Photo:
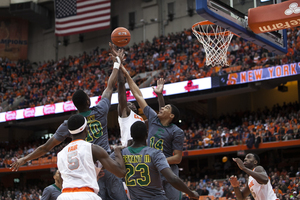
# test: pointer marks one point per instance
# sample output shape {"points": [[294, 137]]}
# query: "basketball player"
{"points": [[111, 187], [127, 112], [76, 163], [144, 165], [258, 183], [53, 191], [163, 134]]}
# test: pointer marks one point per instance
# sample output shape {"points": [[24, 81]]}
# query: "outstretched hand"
{"points": [[18, 163], [239, 162], [234, 182], [195, 195], [120, 54], [114, 53], [160, 86], [113, 49]]}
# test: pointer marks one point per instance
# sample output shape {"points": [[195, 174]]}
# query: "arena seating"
{"points": [[176, 57]]}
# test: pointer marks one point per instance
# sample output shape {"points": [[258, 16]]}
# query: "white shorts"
{"points": [[78, 196]]}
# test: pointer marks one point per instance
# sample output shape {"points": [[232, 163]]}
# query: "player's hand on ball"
{"points": [[18, 163], [234, 182]]}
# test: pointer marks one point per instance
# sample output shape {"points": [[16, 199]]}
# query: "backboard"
{"points": [[221, 13]]}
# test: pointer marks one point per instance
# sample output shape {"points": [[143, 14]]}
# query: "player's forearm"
{"points": [[178, 184], [161, 100], [121, 93], [175, 159], [113, 78], [110, 84], [120, 161], [40, 151], [238, 193], [133, 87], [260, 177]]}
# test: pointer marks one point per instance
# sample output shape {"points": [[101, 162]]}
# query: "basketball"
{"points": [[224, 159], [120, 37]]}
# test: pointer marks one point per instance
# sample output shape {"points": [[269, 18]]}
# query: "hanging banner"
{"points": [[13, 38]]}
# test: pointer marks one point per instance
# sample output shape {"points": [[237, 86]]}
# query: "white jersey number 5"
{"points": [[73, 160]]}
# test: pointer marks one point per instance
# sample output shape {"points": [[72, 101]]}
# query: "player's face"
{"points": [[165, 112], [249, 161], [57, 176]]}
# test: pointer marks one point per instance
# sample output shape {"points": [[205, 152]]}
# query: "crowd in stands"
{"points": [[280, 123], [179, 57], [277, 123], [17, 149], [285, 183], [30, 193]]}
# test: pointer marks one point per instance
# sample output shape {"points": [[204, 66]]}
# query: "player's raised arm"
{"points": [[117, 166], [118, 57], [177, 183], [123, 109], [159, 92], [134, 89]]}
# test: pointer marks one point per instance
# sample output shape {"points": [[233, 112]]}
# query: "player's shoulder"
{"points": [[152, 151], [176, 128], [49, 187], [259, 169]]}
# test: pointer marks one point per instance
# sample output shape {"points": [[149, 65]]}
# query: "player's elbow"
{"points": [[265, 180], [121, 173], [178, 159]]}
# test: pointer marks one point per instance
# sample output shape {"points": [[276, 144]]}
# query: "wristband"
{"points": [[118, 63]]}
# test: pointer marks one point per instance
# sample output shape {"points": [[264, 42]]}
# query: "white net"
{"points": [[215, 41]]}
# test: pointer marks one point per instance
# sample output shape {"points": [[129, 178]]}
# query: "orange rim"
{"points": [[225, 33]]}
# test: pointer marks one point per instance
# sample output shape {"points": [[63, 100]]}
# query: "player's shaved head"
{"points": [[138, 131], [80, 100]]}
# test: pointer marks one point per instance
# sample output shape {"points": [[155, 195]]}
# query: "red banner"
{"points": [[13, 38]]}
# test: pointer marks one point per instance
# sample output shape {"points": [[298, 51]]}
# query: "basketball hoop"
{"points": [[215, 41]]}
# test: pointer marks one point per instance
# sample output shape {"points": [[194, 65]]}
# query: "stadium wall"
{"points": [[42, 42], [4, 3]]}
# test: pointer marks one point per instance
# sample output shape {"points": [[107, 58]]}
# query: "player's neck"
{"points": [[58, 184], [138, 144], [84, 110], [79, 137], [165, 122]]}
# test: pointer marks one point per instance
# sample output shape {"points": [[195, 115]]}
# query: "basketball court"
{"points": [[263, 22]]}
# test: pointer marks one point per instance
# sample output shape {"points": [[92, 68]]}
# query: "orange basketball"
{"points": [[224, 159], [120, 36]]}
